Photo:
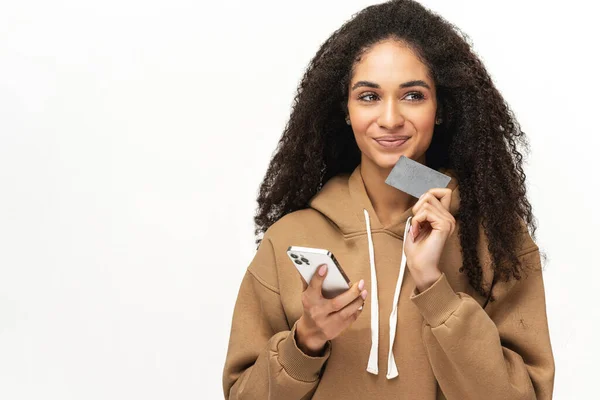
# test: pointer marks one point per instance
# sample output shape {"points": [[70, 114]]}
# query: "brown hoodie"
{"points": [[445, 345]]}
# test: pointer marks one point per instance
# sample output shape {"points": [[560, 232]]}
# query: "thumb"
{"points": [[316, 282]]}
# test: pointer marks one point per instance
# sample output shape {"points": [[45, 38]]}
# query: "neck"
{"points": [[388, 202]]}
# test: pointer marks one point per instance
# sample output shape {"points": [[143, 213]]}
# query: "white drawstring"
{"points": [[392, 370], [372, 366]]}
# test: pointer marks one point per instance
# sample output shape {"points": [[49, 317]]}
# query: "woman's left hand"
{"points": [[431, 225]]}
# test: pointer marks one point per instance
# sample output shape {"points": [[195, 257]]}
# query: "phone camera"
{"points": [[298, 262], [304, 259], [293, 255]]}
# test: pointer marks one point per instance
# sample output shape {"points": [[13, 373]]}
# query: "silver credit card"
{"points": [[415, 178]]}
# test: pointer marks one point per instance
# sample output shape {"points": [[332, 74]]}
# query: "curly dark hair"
{"points": [[478, 138]]}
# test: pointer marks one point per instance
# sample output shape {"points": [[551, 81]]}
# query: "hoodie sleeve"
{"points": [[504, 355], [263, 359]]}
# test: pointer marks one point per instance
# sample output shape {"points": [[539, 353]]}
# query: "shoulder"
{"points": [[297, 223], [524, 242], [292, 228]]}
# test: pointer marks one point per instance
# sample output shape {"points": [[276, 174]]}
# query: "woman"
{"points": [[467, 315]]}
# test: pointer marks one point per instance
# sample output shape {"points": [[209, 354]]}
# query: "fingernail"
{"points": [[364, 294], [322, 269], [361, 284], [360, 308]]}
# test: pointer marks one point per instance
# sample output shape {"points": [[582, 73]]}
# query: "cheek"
{"points": [[363, 118], [361, 125], [359, 129], [422, 118]]}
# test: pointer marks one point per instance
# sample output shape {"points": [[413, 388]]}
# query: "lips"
{"points": [[392, 138], [392, 141]]}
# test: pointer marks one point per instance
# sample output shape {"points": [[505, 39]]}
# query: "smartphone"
{"points": [[307, 259]]}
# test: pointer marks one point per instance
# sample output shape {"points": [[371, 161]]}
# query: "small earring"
{"points": [[438, 121], [347, 120]]}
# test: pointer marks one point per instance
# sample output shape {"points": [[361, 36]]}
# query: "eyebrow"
{"points": [[402, 85]]}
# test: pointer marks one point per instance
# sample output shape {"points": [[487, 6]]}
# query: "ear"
{"points": [[345, 111]]}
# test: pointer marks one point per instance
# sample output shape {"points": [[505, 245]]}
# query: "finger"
{"points": [[316, 282], [442, 213], [426, 217], [441, 195], [416, 221], [432, 217], [431, 201], [351, 309], [342, 300]]}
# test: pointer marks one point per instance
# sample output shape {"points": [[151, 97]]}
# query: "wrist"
{"points": [[308, 345], [424, 280]]}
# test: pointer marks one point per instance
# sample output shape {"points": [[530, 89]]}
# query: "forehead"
{"points": [[390, 62]]}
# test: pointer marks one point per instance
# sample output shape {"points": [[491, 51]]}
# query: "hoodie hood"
{"points": [[344, 197], [345, 202]]}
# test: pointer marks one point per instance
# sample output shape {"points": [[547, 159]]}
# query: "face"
{"points": [[391, 105]]}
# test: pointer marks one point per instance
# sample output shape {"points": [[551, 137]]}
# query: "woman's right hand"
{"points": [[324, 319]]}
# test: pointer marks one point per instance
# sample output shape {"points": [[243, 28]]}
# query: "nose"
{"points": [[390, 116]]}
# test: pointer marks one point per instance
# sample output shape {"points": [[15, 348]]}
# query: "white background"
{"points": [[134, 136]]}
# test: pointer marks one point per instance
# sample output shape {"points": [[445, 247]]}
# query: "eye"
{"points": [[367, 95], [419, 96], [412, 97]]}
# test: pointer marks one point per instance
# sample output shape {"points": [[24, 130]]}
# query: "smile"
{"points": [[391, 143]]}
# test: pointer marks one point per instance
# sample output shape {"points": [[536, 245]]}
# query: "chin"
{"points": [[392, 157], [387, 161]]}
